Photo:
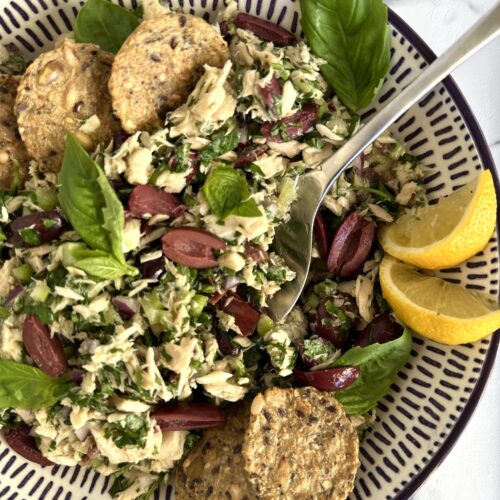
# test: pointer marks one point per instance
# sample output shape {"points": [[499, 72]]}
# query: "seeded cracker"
{"points": [[214, 468], [13, 156], [60, 90], [300, 444], [159, 65]]}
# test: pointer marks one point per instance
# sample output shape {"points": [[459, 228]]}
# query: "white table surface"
{"points": [[472, 469]]}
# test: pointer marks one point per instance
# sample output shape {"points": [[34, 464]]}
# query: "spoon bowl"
{"points": [[293, 239]]}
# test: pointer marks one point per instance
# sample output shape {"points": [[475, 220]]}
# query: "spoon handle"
{"points": [[485, 30]]}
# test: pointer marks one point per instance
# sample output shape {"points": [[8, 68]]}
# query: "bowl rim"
{"points": [[487, 160]]}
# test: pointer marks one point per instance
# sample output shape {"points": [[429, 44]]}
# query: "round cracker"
{"points": [[59, 91], [300, 444], [13, 155], [159, 65], [214, 467]]}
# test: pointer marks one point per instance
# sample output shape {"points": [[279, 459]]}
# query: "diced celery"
{"points": [[46, 198], [23, 273], [198, 304], [41, 292], [397, 151], [265, 325]]}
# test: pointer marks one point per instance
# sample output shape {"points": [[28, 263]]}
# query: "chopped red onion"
{"points": [[13, 295], [82, 433], [231, 282], [125, 305]]}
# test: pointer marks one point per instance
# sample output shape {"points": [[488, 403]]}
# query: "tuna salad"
{"points": [[137, 245]]}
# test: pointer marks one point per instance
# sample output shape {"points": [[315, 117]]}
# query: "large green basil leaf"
{"points": [[353, 37], [226, 192], [379, 365], [97, 263], [86, 196], [105, 24], [25, 386]]}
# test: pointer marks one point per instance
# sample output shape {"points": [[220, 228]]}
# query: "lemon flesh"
{"points": [[447, 233], [436, 309]]}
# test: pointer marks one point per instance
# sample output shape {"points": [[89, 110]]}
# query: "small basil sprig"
{"points": [[25, 386], [95, 212], [105, 24], [226, 192], [353, 37], [379, 365]]}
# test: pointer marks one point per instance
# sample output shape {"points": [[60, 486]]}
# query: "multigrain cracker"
{"points": [[159, 65], [13, 155], [300, 444], [214, 468], [60, 91]]}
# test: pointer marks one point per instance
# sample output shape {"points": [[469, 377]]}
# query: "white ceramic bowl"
{"points": [[429, 405]]}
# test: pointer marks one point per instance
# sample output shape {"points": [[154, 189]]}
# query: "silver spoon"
{"points": [[293, 239]]}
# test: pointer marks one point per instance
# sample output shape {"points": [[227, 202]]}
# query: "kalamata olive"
{"points": [[37, 228], [20, 440], [321, 235], [294, 126], [265, 30], [148, 200], [332, 379], [215, 298], [45, 351], [269, 91], [382, 329], [127, 306], [245, 316], [77, 375], [249, 154], [332, 323], [309, 360], [192, 247], [225, 345], [152, 269], [255, 253], [351, 245], [187, 415], [224, 30]]}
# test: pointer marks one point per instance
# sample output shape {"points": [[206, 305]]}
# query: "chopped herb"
{"points": [[132, 430], [48, 223], [121, 483], [42, 311], [338, 313], [318, 350], [30, 236], [381, 193], [220, 145]]}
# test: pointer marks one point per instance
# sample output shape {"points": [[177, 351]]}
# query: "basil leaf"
{"points": [[248, 208], [100, 264], [221, 144], [226, 192], [25, 386], [90, 203], [379, 365], [353, 37], [105, 24]]}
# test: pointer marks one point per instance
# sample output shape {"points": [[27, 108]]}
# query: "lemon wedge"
{"points": [[439, 310], [447, 233]]}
